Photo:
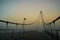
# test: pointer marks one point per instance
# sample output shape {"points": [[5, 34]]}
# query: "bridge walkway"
{"points": [[35, 36]]}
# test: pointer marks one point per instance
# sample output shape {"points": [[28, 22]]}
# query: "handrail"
{"points": [[54, 20], [18, 23]]}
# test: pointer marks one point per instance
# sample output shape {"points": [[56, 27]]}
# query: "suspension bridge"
{"points": [[17, 34]]}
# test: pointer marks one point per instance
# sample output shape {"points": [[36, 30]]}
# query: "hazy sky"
{"points": [[16, 10]]}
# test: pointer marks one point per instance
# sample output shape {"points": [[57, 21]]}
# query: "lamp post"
{"points": [[23, 24]]}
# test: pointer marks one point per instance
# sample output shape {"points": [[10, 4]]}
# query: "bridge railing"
{"points": [[7, 33], [54, 29]]}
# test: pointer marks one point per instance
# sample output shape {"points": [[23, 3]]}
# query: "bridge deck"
{"points": [[27, 36], [35, 36]]}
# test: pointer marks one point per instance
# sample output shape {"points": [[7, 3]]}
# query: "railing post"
{"points": [[51, 31], [6, 30], [17, 31], [56, 32], [12, 35], [54, 26], [46, 29], [19, 34], [57, 35], [23, 29]]}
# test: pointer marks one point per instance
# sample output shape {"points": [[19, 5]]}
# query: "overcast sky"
{"points": [[16, 10]]}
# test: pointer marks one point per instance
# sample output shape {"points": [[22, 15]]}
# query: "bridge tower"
{"points": [[43, 22]]}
